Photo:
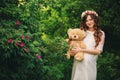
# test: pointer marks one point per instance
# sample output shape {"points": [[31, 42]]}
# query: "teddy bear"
{"points": [[76, 37]]}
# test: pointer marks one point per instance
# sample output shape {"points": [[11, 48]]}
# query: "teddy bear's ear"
{"points": [[69, 30]]}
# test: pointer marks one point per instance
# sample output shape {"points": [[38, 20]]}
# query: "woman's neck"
{"points": [[91, 29]]}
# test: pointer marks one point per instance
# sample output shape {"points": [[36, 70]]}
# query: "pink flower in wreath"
{"points": [[22, 44], [10, 40]]}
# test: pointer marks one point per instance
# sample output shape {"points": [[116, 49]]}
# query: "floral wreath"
{"points": [[88, 12]]}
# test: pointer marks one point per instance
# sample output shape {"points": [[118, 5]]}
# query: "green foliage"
{"points": [[32, 29], [55, 59], [20, 42], [108, 68]]}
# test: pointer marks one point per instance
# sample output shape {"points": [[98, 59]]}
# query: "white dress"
{"points": [[86, 69]]}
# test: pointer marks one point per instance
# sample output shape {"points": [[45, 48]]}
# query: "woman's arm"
{"points": [[91, 51]]}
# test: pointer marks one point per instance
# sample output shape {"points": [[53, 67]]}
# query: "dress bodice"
{"points": [[89, 40]]}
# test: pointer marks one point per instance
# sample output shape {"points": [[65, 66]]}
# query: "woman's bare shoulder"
{"points": [[103, 33]]}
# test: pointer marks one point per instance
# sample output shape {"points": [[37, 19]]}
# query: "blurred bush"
{"points": [[32, 38]]}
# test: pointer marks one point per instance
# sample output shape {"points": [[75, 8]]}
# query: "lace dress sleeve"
{"points": [[101, 44]]}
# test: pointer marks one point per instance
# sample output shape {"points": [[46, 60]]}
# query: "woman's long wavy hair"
{"points": [[98, 33]]}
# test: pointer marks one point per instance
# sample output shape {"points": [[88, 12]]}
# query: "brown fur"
{"points": [[76, 35]]}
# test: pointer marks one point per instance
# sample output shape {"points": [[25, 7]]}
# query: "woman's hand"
{"points": [[75, 50]]}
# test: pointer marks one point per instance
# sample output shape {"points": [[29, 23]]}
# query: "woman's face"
{"points": [[89, 22]]}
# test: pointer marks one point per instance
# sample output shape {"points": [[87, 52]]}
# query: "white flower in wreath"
{"points": [[88, 12]]}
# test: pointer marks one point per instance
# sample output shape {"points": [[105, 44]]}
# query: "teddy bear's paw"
{"points": [[78, 58]]}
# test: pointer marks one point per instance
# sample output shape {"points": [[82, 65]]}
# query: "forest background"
{"points": [[33, 33]]}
